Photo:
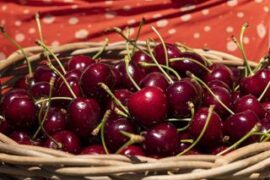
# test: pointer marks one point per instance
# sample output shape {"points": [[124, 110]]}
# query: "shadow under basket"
{"points": [[33, 162]]}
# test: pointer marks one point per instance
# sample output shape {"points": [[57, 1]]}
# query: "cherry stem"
{"points": [[50, 65], [102, 49], [209, 90], [192, 60], [263, 62], [53, 55], [156, 62], [163, 44], [192, 110], [39, 27], [120, 113], [103, 122], [127, 60], [52, 98], [99, 126], [142, 22], [187, 141], [210, 112], [133, 138], [145, 64], [266, 135], [12, 41], [246, 136], [175, 119], [264, 91]]}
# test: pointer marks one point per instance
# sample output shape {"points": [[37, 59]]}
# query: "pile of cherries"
{"points": [[165, 102]]}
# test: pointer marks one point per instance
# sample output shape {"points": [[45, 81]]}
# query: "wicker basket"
{"points": [[32, 162]]}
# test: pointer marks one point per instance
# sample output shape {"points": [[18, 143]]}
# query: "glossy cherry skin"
{"points": [[43, 73], [21, 137], [122, 95], [239, 124], [67, 141], [148, 106], [155, 79], [179, 94], [139, 57], [70, 75], [112, 132], [265, 122], [79, 62], [93, 150], [220, 72], [218, 83], [135, 71], [40, 89], [223, 95], [133, 151], [172, 52], [63, 91], [187, 65], [84, 115], [184, 135], [162, 140], [249, 102], [235, 96], [214, 131], [55, 121], [266, 106], [22, 83], [92, 76]]}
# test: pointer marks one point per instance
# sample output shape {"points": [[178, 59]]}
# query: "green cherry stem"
{"points": [[106, 42], [192, 111], [235, 145], [192, 76], [156, 62], [192, 60], [39, 27], [120, 113], [133, 138], [264, 91], [102, 127], [52, 98], [266, 135], [127, 60], [142, 22], [187, 141], [105, 117], [210, 112]]}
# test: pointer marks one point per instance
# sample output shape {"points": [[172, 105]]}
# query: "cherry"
{"points": [[133, 150], [63, 90], [40, 89], [218, 83], [155, 79], [21, 137], [5, 126], [92, 76], [93, 150], [122, 95], [43, 73], [220, 72], [84, 115], [266, 106], [219, 149], [184, 135], [162, 140], [139, 57], [235, 96], [239, 124], [79, 62], [113, 137], [179, 94], [148, 106], [22, 83], [214, 130], [249, 102], [70, 75], [265, 122], [172, 52], [66, 141]]}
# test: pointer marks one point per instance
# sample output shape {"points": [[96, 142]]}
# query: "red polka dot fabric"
{"points": [[196, 23]]}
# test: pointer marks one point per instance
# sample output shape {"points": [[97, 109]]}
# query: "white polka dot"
{"points": [[231, 46], [155, 16], [81, 34], [75, 6], [229, 29], [232, 2], [108, 2], [55, 43], [4, 7], [127, 7], [131, 31], [31, 30], [240, 14], [196, 35], [18, 23], [207, 28], [131, 21], [266, 9], [186, 17], [26, 11], [73, 20], [49, 19], [68, 1], [172, 31], [205, 11], [2, 56], [258, 1], [187, 8], [2, 22], [246, 40], [19, 37], [110, 14], [162, 23], [261, 30]]}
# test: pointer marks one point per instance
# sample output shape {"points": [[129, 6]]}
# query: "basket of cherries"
{"points": [[133, 110]]}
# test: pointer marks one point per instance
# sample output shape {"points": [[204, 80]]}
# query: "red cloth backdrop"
{"points": [[197, 23]]}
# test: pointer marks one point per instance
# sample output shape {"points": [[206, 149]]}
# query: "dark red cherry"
{"points": [[162, 140], [21, 137], [84, 115], [265, 122], [148, 106], [22, 83], [249, 102], [266, 106], [214, 130], [219, 149], [43, 73], [220, 72], [155, 79], [70, 75], [93, 150], [184, 135], [236, 74], [179, 94], [188, 65], [139, 56], [218, 83], [223, 95], [172, 52], [117, 78], [239, 124], [5, 126], [235, 96], [92, 76], [55, 121], [63, 91], [79, 62], [66, 141], [122, 95], [133, 151], [112, 132], [40, 89]]}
